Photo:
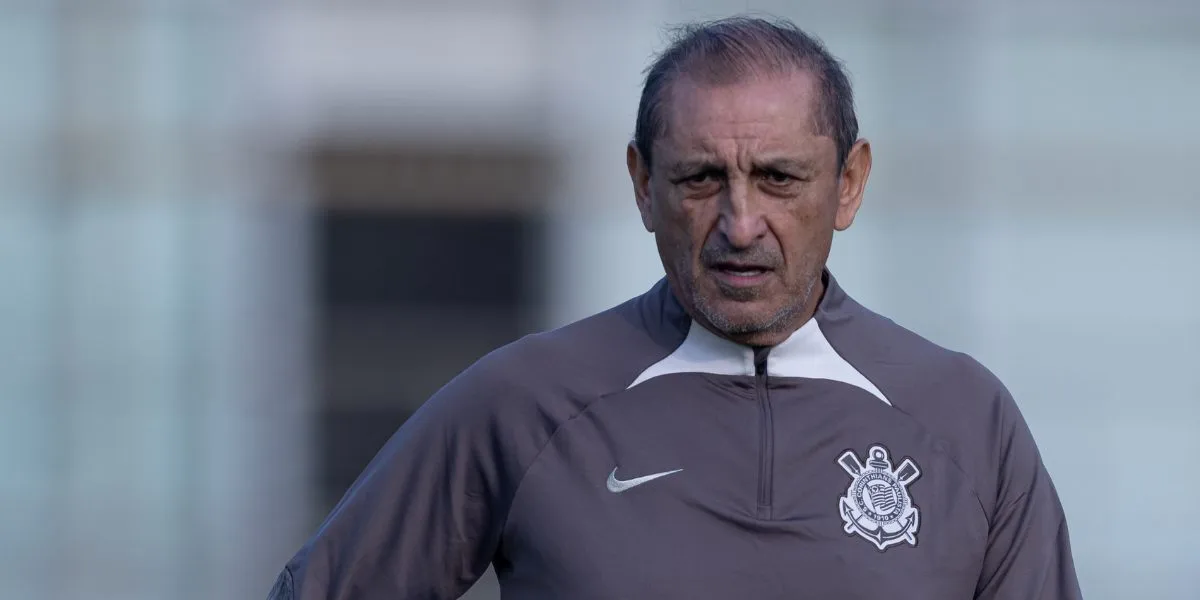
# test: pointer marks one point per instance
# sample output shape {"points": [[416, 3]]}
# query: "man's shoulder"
{"points": [[932, 358], [918, 375], [592, 356]]}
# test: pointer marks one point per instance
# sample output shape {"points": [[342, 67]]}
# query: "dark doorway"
{"points": [[428, 259]]}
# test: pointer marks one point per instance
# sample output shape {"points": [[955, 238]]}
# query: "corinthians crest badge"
{"points": [[877, 505]]}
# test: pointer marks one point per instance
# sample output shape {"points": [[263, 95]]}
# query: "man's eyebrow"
{"points": [[697, 165], [786, 164]]}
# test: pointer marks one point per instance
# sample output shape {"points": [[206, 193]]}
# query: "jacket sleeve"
{"points": [[1029, 551], [424, 518]]}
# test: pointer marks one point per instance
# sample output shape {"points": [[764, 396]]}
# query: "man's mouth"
{"points": [[740, 273], [744, 272]]}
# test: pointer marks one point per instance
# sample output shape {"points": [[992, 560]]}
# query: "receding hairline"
{"points": [[734, 49], [812, 95]]}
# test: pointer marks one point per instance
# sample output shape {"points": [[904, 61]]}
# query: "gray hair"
{"points": [[731, 49]]}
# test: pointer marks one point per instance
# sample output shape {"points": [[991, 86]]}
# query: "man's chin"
{"points": [[739, 318]]}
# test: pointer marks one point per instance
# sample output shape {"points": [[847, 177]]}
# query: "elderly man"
{"points": [[744, 429]]}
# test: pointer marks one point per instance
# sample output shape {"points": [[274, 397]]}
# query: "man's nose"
{"points": [[742, 219]]}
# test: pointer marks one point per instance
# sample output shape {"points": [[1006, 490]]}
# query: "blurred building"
{"points": [[241, 242]]}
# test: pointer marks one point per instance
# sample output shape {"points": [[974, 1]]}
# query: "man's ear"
{"points": [[851, 183], [639, 173]]}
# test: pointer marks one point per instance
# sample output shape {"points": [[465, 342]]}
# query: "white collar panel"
{"points": [[807, 353]]}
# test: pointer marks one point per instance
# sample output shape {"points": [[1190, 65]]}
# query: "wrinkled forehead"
{"points": [[776, 113]]}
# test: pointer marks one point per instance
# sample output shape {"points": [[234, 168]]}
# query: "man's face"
{"points": [[743, 198]]}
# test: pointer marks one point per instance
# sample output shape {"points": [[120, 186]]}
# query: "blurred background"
{"points": [[240, 241]]}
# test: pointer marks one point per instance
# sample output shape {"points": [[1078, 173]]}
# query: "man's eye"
{"points": [[778, 178], [700, 182]]}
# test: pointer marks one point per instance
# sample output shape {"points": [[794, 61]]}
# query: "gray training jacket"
{"points": [[636, 455]]}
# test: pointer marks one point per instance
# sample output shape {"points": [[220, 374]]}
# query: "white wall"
{"points": [[152, 312]]}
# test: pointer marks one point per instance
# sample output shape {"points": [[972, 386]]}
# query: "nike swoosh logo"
{"points": [[617, 486]]}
